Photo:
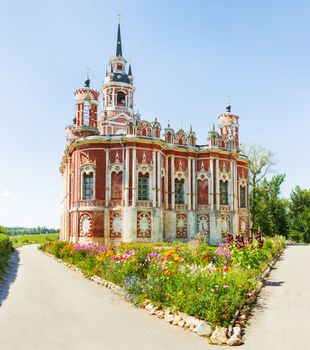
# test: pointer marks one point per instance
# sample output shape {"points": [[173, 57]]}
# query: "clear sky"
{"points": [[187, 56]]}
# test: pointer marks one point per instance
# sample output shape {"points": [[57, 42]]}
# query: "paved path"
{"points": [[282, 319], [47, 306]]}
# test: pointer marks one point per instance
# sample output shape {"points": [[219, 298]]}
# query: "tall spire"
{"points": [[119, 52], [129, 70]]}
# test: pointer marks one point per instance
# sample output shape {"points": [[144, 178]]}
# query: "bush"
{"points": [[5, 251]]}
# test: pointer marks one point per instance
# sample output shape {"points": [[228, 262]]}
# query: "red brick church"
{"points": [[127, 179]]}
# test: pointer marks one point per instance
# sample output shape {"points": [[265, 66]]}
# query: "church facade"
{"points": [[127, 179]]}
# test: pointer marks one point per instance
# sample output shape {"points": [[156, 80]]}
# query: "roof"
{"points": [[121, 77]]}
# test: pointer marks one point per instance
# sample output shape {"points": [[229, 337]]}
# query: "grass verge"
{"points": [[20, 240]]}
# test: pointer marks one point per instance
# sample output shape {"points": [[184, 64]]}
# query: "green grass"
{"points": [[20, 240]]}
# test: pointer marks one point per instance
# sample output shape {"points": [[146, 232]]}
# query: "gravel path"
{"points": [[47, 306]]}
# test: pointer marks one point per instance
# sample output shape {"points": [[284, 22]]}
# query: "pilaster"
{"points": [[134, 177], [189, 184], [154, 179], [172, 184], [126, 192], [217, 171]]}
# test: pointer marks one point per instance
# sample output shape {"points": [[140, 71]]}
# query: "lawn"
{"points": [[207, 282], [20, 240]]}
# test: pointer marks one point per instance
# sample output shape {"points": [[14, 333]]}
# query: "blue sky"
{"points": [[187, 56]]}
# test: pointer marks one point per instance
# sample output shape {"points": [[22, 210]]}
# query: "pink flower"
{"points": [[225, 286]]}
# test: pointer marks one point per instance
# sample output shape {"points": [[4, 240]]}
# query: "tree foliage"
{"points": [[271, 209], [261, 162], [3, 230], [299, 215], [13, 231]]}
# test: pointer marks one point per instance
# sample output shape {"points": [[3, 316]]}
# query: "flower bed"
{"points": [[209, 283], [5, 251]]}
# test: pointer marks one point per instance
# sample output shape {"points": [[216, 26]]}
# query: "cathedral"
{"points": [[128, 179]]}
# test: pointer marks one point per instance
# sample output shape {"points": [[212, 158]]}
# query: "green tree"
{"points": [[3, 230], [271, 210], [261, 162], [299, 214]]}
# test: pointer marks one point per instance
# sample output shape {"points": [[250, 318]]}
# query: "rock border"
{"points": [[231, 336]]}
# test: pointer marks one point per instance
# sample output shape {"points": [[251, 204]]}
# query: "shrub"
{"points": [[5, 251]]}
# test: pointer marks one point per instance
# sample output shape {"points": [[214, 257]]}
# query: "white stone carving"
{"points": [[85, 225], [115, 167]]}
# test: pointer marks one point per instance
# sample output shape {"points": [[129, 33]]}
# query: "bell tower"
{"points": [[117, 93], [229, 129]]}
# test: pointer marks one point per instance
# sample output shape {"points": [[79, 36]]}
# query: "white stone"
{"points": [[234, 340], [149, 307], [176, 320], [181, 323], [169, 318], [236, 330], [153, 311], [219, 336], [204, 330]]}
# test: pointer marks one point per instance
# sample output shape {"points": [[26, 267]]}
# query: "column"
{"points": [[166, 184], [154, 179], [211, 185], [189, 184], [68, 200], [194, 180], [134, 177], [230, 188], [159, 189], [126, 192], [217, 170], [172, 184], [235, 186], [108, 181], [113, 97]]}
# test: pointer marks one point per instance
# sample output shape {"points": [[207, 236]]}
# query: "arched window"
{"points": [[86, 112], [242, 197], [143, 187], [121, 98], [88, 186], [223, 192], [179, 191], [203, 192], [116, 185]]}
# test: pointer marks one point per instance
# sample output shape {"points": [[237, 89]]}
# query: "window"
{"points": [[121, 98], [242, 197], [116, 185], [223, 192], [86, 113], [179, 191], [88, 186], [143, 187]]}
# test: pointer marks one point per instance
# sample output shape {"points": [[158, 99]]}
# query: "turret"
{"points": [[86, 110], [117, 93], [229, 129]]}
